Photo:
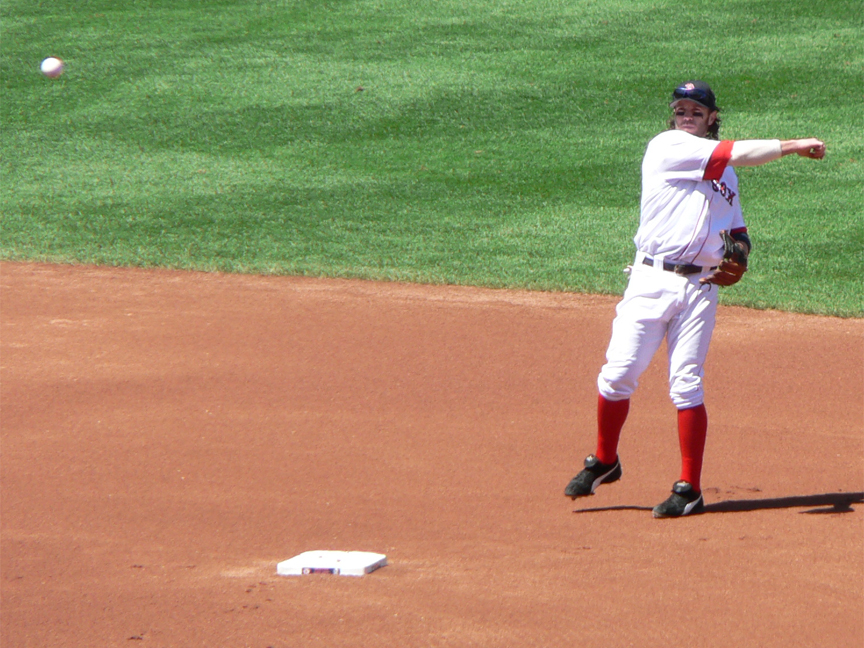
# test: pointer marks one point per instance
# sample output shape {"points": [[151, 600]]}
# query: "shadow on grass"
{"points": [[817, 504]]}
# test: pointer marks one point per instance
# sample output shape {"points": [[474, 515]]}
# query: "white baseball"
{"points": [[52, 67]]}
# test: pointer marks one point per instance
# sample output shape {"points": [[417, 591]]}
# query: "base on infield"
{"points": [[341, 563]]}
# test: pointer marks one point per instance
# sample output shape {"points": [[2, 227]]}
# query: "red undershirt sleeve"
{"points": [[718, 161]]}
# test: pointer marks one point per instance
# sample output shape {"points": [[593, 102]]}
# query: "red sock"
{"points": [[610, 419], [692, 430]]}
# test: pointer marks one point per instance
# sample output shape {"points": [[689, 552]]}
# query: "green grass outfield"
{"points": [[488, 143]]}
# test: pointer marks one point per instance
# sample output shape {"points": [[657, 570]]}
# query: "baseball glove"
{"points": [[734, 263]]}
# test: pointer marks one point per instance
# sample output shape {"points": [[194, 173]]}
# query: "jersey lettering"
{"points": [[723, 189]]}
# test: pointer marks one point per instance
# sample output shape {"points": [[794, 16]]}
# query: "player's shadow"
{"points": [[827, 503], [816, 504]]}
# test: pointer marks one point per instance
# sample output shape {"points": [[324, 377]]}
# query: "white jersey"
{"points": [[689, 194]]}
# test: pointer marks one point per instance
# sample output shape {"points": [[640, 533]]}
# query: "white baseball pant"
{"points": [[657, 304]]}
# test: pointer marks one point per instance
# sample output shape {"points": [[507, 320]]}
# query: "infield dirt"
{"points": [[169, 437]]}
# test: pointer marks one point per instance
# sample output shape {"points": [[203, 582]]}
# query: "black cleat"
{"points": [[594, 474], [683, 501]]}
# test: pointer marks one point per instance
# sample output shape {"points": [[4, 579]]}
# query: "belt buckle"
{"points": [[681, 269]]}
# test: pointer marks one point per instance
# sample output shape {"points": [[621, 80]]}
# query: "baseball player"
{"points": [[691, 239]]}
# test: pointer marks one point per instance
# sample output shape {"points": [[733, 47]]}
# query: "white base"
{"points": [[341, 563]]}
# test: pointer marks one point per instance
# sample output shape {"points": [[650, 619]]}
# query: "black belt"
{"points": [[678, 268]]}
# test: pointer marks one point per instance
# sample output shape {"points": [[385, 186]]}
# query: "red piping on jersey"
{"points": [[718, 161]]}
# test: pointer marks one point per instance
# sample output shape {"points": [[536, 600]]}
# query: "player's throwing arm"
{"points": [[754, 153]]}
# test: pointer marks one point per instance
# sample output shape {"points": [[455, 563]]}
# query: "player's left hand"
{"points": [[727, 273], [734, 263]]}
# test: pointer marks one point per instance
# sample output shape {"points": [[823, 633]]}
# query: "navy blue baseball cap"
{"points": [[697, 91]]}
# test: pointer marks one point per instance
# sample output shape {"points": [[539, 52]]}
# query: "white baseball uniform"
{"points": [[689, 194]]}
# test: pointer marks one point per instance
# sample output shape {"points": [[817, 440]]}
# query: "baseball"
{"points": [[52, 67]]}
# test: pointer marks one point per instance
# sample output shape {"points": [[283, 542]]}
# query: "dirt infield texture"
{"points": [[168, 437]]}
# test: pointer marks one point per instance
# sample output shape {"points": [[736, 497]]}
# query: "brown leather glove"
{"points": [[734, 263]]}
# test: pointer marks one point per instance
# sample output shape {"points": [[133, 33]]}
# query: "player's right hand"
{"points": [[811, 148]]}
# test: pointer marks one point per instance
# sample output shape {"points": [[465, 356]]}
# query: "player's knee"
{"points": [[616, 388], [687, 392]]}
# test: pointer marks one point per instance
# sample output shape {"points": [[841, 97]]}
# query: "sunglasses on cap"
{"points": [[701, 95]]}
